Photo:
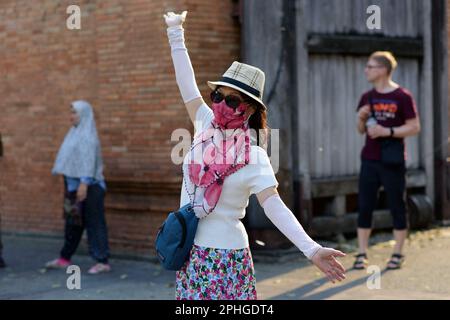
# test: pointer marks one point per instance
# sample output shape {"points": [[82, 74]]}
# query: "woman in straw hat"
{"points": [[221, 171]]}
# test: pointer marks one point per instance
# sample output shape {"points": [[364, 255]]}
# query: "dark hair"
{"points": [[258, 122]]}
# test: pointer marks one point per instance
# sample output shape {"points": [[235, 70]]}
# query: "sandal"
{"points": [[396, 260], [360, 262]]}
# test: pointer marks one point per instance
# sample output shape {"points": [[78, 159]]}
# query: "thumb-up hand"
{"points": [[173, 19]]}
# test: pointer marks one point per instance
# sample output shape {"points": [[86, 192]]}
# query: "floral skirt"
{"points": [[217, 274]]}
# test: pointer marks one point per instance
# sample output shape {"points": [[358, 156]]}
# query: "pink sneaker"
{"points": [[99, 268], [59, 263]]}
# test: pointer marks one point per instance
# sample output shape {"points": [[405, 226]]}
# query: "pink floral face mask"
{"points": [[229, 111]]}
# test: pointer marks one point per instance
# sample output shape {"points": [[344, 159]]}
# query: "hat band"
{"points": [[242, 85]]}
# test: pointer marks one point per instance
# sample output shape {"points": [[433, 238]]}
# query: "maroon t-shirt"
{"points": [[391, 110]]}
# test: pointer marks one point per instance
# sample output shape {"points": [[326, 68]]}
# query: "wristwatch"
{"points": [[392, 132]]}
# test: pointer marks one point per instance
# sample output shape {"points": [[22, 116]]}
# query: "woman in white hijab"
{"points": [[79, 161]]}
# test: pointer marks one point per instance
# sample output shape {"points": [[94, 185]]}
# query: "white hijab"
{"points": [[80, 153]]}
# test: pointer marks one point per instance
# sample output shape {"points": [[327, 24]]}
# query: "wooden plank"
{"points": [[291, 61], [345, 16], [426, 101], [407, 75], [349, 185], [267, 44], [315, 108], [328, 116], [359, 88], [304, 109], [364, 45], [328, 226], [440, 108]]}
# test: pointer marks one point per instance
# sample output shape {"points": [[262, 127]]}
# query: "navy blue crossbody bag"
{"points": [[175, 237]]}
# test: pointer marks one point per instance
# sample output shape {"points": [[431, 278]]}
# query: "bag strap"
{"points": [[371, 104], [185, 187]]}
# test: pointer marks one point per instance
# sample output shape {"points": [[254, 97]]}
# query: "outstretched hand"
{"points": [[173, 19], [325, 260]]}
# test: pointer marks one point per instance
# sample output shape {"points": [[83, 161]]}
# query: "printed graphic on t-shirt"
{"points": [[391, 109], [384, 109]]}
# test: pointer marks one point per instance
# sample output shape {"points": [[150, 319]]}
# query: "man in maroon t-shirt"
{"points": [[388, 111]]}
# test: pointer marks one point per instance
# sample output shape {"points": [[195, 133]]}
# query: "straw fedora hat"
{"points": [[244, 78]]}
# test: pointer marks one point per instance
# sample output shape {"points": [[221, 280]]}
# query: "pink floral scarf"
{"points": [[217, 152]]}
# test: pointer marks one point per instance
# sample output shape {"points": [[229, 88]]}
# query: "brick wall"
{"points": [[120, 62]]}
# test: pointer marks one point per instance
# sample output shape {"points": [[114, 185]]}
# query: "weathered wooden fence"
{"points": [[314, 53]]}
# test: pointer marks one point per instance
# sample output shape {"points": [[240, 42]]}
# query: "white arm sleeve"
{"points": [[287, 223], [183, 68]]}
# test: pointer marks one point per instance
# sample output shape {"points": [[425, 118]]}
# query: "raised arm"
{"points": [[183, 67]]}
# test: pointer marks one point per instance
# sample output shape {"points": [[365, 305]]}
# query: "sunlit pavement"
{"points": [[424, 275]]}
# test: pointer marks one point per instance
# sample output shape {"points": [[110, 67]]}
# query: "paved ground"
{"points": [[425, 275]]}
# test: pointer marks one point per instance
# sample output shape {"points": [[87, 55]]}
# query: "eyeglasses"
{"points": [[231, 100], [372, 67]]}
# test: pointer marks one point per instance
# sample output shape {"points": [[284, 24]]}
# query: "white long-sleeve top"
{"points": [[223, 228]]}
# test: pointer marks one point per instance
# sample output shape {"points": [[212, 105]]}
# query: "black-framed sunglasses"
{"points": [[231, 100]]}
